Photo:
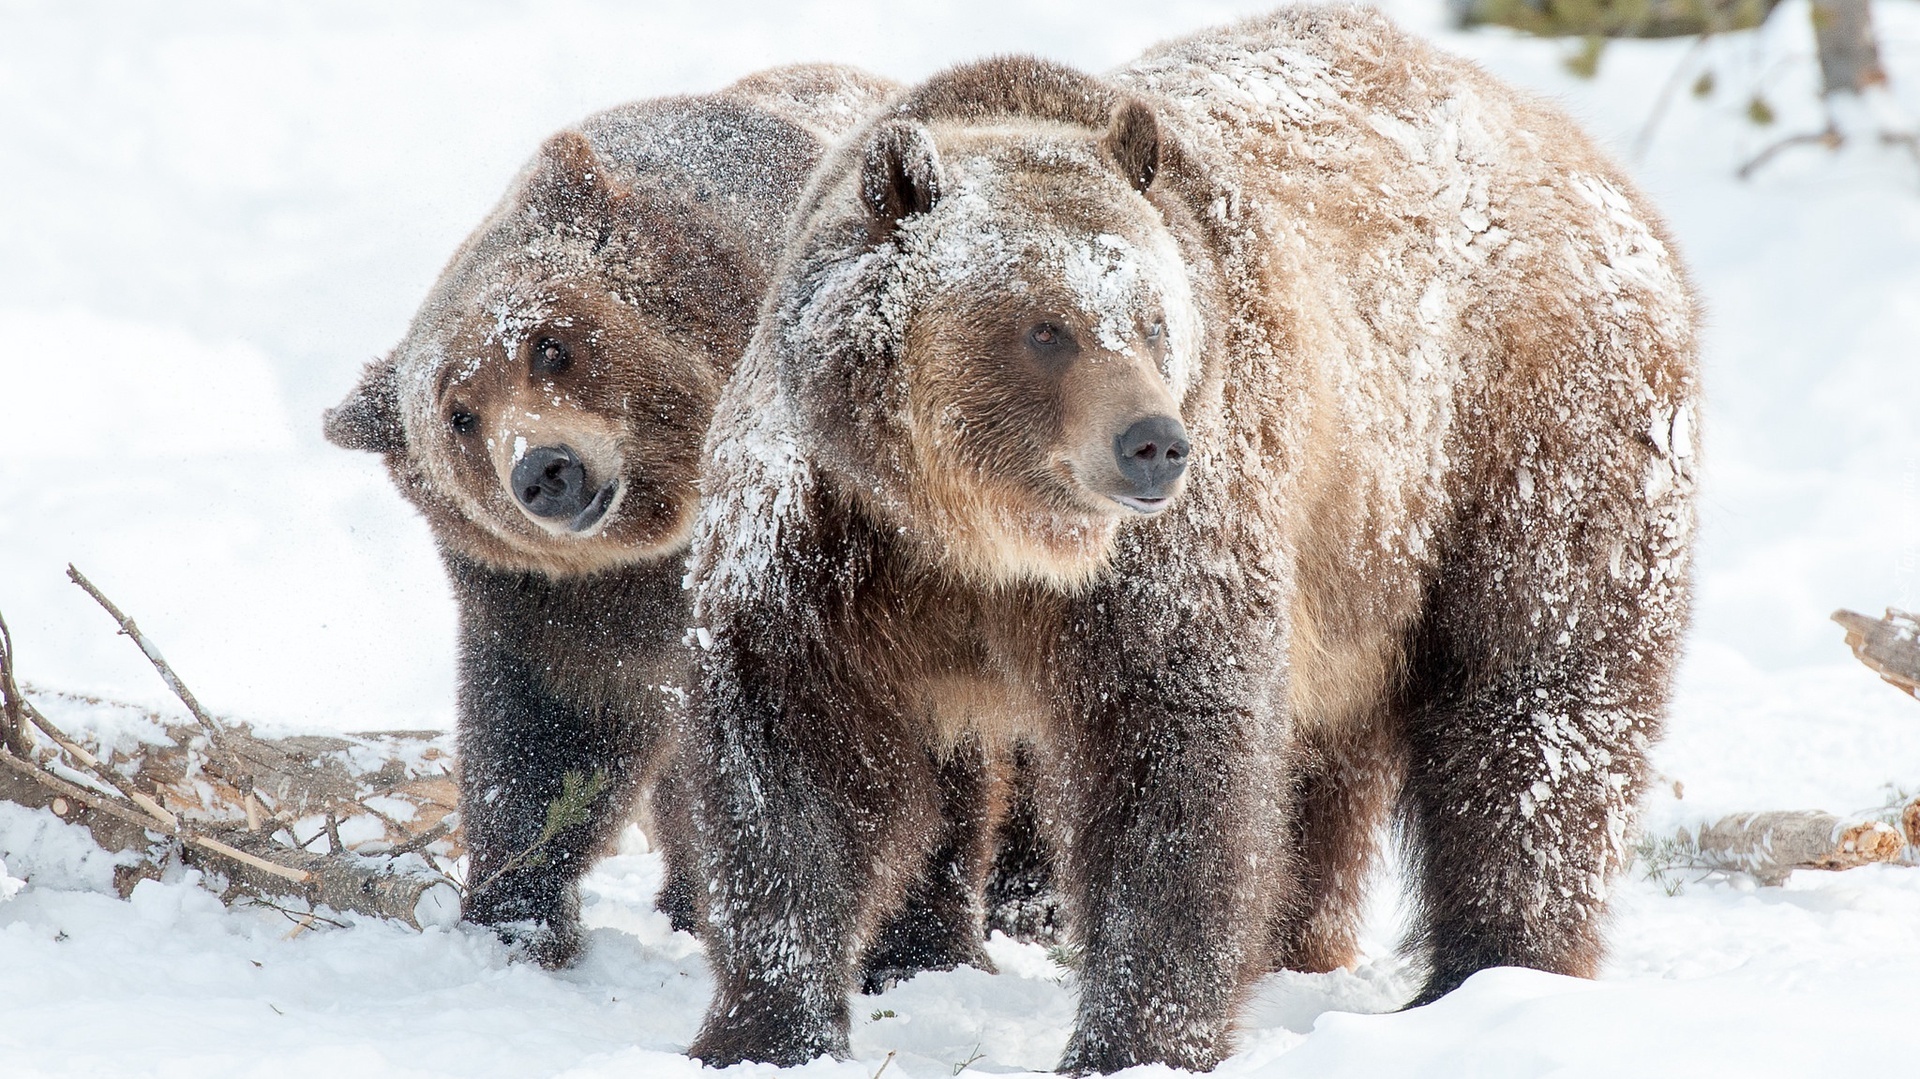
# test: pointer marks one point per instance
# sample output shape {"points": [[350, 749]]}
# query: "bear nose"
{"points": [[1152, 453], [550, 481]]}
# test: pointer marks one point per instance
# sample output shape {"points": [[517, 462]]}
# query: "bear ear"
{"points": [[369, 419], [901, 174], [569, 181], [1133, 140]]}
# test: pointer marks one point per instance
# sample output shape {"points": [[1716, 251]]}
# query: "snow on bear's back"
{"points": [[1409, 218]]}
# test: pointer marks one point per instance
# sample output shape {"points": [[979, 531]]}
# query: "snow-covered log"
{"points": [[1769, 846], [244, 808], [252, 865], [1890, 645]]}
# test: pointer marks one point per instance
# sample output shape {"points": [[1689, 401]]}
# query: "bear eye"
{"points": [[463, 422], [1051, 344], [1049, 337], [550, 356], [1156, 332]]}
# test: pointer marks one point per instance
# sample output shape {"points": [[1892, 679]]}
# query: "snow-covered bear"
{"points": [[1289, 428], [545, 413]]}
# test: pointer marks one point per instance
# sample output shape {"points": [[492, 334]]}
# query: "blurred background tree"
{"points": [[1853, 81]]}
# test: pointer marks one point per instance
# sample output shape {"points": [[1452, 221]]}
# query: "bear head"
{"points": [[989, 332], [546, 407]]}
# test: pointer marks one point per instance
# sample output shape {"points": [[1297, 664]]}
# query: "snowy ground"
{"points": [[212, 213]]}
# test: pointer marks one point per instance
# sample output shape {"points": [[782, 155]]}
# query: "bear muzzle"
{"points": [[1152, 456], [550, 482]]}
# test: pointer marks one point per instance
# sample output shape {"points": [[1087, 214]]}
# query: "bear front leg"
{"points": [[1518, 802], [813, 816], [1171, 864], [1170, 770], [529, 761]]}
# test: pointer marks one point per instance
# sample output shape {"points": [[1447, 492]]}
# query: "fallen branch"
{"points": [[1770, 846], [1890, 646]]}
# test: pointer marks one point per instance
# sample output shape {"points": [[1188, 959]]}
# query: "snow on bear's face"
{"points": [[1046, 335], [540, 413]]}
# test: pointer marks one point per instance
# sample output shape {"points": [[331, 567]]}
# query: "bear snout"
{"points": [[551, 481], [1152, 453]]}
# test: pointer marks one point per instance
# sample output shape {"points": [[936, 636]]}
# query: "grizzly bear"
{"points": [[545, 412], [1290, 428]]}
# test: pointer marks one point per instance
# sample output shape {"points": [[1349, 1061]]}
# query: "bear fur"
{"points": [[592, 317], [1288, 430]]}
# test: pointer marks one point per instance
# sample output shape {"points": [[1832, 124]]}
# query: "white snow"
{"points": [[212, 213]]}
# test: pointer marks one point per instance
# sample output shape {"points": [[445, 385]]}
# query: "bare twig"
{"points": [[962, 1065], [1644, 139], [271, 868], [425, 839], [1830, 138], [882, 1069], [1833, 139], [292, 915], [214, 727]]}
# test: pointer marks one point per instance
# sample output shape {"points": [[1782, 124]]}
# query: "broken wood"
{"points": [[215, 796], [1770, 846], [250, 865], [1890, 646]]}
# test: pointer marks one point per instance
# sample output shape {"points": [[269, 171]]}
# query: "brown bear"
{"points": [[545, 412], [1293, 426]]}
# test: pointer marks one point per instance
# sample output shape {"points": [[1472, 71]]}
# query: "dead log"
{"points": [[216, 796], [1770, 846], [247, 863], [1890, 646]]}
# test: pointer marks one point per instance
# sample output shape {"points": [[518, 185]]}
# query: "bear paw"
{"points": [[553, 945]]}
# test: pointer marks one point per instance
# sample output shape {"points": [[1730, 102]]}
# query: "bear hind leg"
{"points": [[1518, 799], [1343, 791], [942, 925]]}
